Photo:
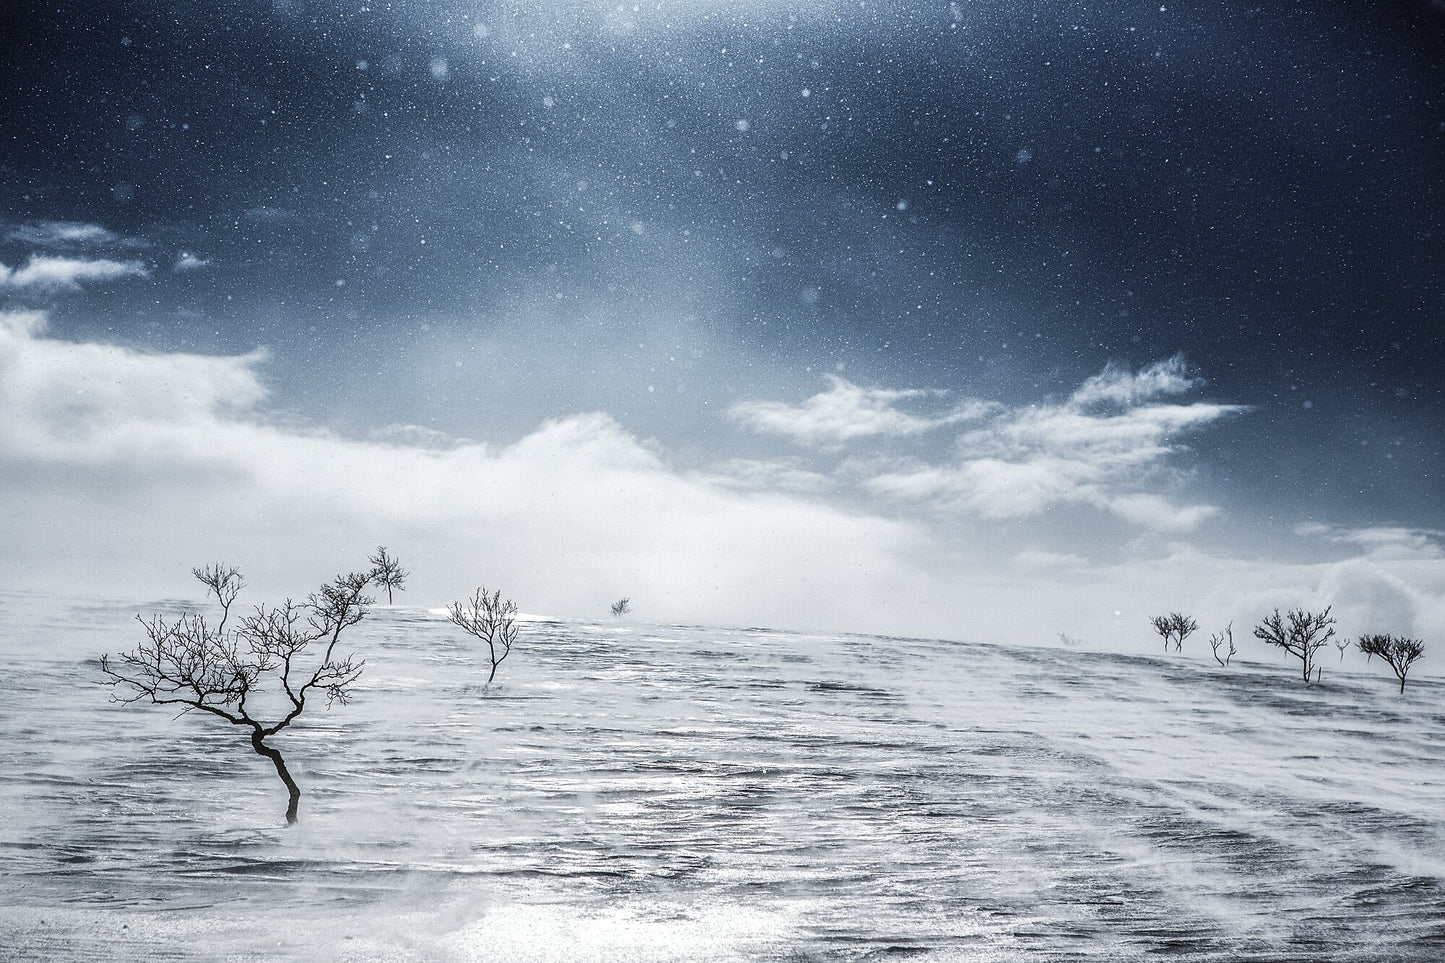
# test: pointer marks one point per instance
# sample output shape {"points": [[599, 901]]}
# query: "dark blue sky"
{"points": [[471, 217]]}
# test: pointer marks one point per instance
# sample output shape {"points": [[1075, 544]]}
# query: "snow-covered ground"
{"points": [[629, 792]]}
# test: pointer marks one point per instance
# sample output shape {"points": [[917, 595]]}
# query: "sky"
{"points": [[973, 320]]}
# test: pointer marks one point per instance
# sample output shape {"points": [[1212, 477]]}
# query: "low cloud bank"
{"points": [[120, 469], [124, 468]]}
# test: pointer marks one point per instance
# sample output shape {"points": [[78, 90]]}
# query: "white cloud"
{"points": [[846, 412], [1100, 447], [1156, 513], [65, 273], [90, 403], [1382, 541], [1118, 385], [186, 261], [120, 469], [1366, 597], [417, 436], [118, 466], [61, 234], [782, 475]]}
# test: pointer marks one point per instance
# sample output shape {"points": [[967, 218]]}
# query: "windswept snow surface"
{"points": [[629, 792]]}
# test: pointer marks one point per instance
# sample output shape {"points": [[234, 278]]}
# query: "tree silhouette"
{"points": [[622, 606], [387, 572], [227, 670], [1300, 633], [1397, 651], [1175, 626], [1219, 640], [490, 618]]}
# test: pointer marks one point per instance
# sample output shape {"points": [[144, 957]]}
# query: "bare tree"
{"points": [[490, 618], [225, 670], [1070, 641], [1184, 627], [1397, 651], [387, 572], [1164, 627], [1219, 640], [1300, 633], [1174, 627], [1343, 644], [622, 606]]}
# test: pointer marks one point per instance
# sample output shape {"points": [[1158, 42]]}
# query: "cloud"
{"points": [[1117, 385], [120, 467], [780, 475], [61, 234], [417, 436], [846, 412], [90, 403], [1158, 514], [1099, 447], [186, 261], [1382, 541], [65, 273], [1367, 598]]}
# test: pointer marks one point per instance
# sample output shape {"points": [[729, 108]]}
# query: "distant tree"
{"points": [[1070, 641], [226, 670], [622, 606], [1175, 627], [1164, 627], [1302, 634], [1343, 644], [1223, 640], [1184, 627], [387, 572], [490, 618], [1398, 652]]}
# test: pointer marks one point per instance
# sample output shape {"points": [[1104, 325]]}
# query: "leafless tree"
{"points": [[1302, 634], [1164, 627], [1070, 641], [1397, 651], [490, 618], [1223, 640], [387, 572], [250, 672], [1343, 644], [622, 606], [1174, 627]]}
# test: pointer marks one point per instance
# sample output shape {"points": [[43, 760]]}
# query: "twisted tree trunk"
{"points": [[274, 755]]}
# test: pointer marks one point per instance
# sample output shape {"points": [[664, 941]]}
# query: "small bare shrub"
{"points": [[387, 572], [249, 672], [1223, 640], [1302, 634], [1398, 652], [1175, 627], [490, 618], [621, 607]]}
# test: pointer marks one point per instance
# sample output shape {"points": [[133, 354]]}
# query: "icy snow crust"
{"points": [[645, 793]]}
